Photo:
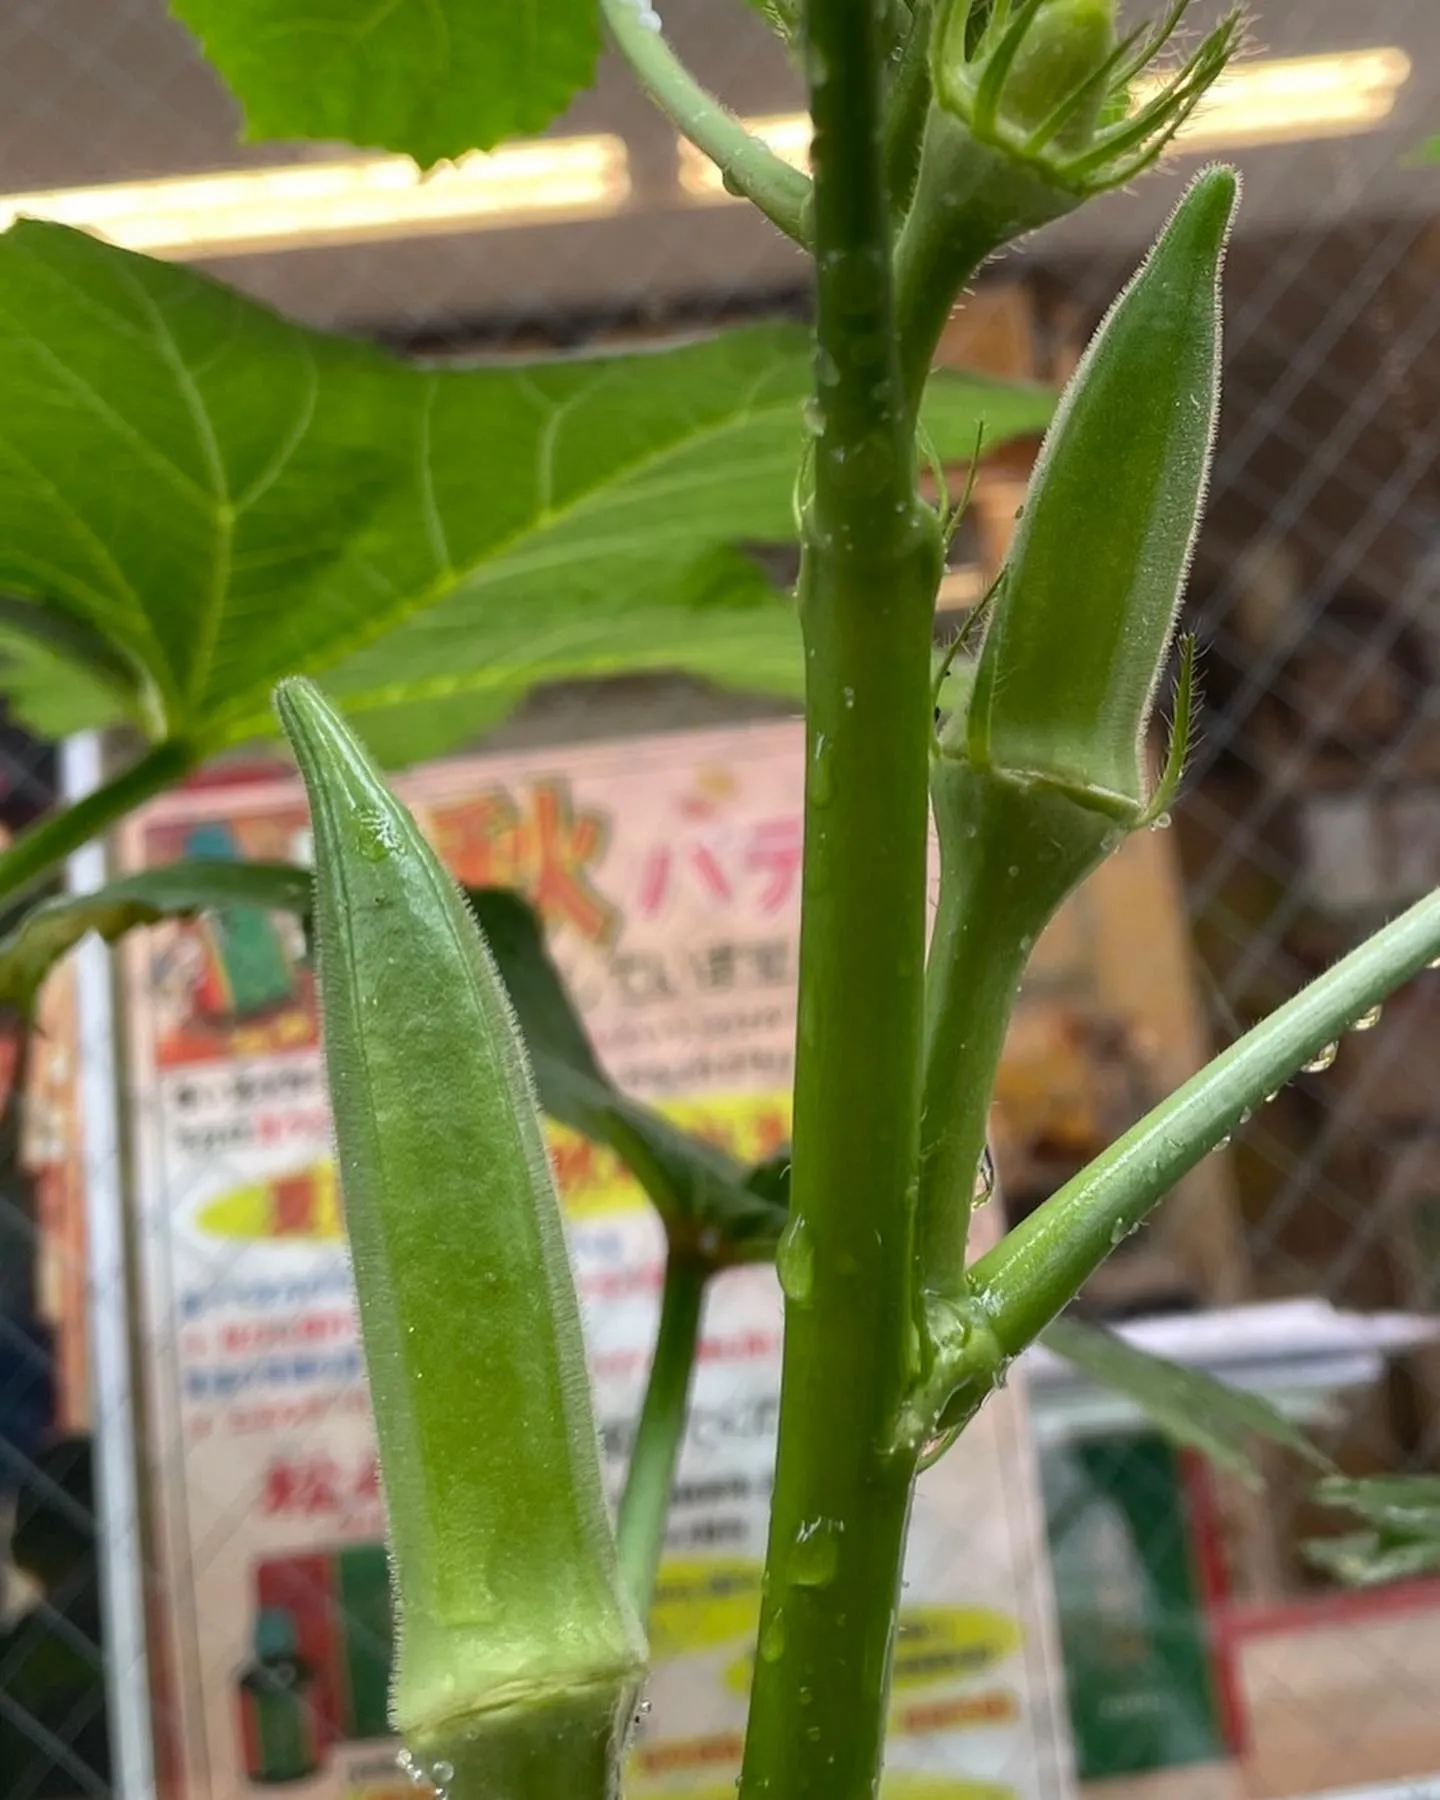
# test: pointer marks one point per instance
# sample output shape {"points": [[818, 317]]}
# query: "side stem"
{"points": [[905, 113], [968, 201], [749, 166], [645, 1503], [1041, 1265], [43, 846], [1010, 852]]}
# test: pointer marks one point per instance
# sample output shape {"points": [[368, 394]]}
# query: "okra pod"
{"points": [[519, 1657], [1041, 768], [1078, 637]]}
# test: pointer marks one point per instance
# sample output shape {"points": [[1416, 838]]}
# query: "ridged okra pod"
{"points": [[1041, 768], [1075, 647], [519, 1657]]}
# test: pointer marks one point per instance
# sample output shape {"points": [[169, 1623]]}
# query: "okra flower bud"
{"points": [[1048, 83], [1054, 65], [519, 1658]]}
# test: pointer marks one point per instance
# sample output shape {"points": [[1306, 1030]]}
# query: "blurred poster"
{"points": [[668, 874]]}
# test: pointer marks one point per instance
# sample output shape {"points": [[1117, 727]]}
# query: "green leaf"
{"points": [[1402, 1513], [180, 890], [695, 1187], [430, 78], [1189, 1406], [224, 498]]}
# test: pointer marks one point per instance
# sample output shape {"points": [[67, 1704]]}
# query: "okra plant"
{"points": [[943, 130]]}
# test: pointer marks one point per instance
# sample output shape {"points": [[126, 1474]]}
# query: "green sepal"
{"points": [[1048, 84]]}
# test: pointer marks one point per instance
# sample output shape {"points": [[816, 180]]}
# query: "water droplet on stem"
{"points": [[816, 1554], [772, 1637], [795, 1261]]}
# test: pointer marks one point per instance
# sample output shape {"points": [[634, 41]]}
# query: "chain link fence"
{"points": [[1312, 812]]}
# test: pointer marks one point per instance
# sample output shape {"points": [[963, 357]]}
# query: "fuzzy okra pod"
{"points": [[519, 1657], [1041, 767]]}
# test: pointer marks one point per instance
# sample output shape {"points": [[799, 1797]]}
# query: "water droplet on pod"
{"points": [[1369, 1019], [1163, 823], [375, 836], [1323, 1059]]}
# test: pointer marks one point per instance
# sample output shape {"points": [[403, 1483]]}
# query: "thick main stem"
{"points": [[852, 1344], [645, 1503], [847, 1262]]}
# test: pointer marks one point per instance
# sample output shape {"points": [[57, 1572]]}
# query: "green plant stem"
{"points": [[870, 568], [1041, 1265], [645, 1503], [39, 850], [748, 166], [908, 101], [841, 1499], [968, 202], [1010, 851], [977, 954]]}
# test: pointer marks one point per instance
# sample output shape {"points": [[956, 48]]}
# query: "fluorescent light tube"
{"points": [[346, 201], [1294, 99]]}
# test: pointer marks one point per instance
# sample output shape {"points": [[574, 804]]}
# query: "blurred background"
{"points": [[1202, 1651]]}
